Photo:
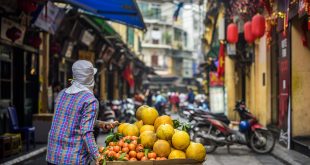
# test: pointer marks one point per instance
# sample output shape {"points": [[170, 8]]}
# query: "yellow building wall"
{"points": [[231, 86], [300, 83], [121, 30], [258, 83]]}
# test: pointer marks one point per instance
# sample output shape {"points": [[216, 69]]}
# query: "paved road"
{"points": [[239, 155]]}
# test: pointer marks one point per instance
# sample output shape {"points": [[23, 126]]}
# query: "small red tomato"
{"points": [[132, 147], [117, 155], [125, 149], [151, 155], [132, 154], [111, 154], [134, 142], [111, 144], [101, 149], [140, 155], [116, 148], [121, 143], [125, 145]]}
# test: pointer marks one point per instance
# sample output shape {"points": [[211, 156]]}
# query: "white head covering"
{"points": [[83, 77]]}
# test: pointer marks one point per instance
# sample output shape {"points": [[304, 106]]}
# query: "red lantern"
{"points": [[258, 26], [13, 33], [232, 33], [248, 36], [28, 6]]}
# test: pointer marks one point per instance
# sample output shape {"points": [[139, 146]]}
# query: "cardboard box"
{"points": [[157, 162]]}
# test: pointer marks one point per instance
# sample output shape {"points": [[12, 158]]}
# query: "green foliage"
{"points": [[113, 137], [183, 126]]}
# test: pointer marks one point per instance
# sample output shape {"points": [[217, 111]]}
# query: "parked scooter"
{"points": [[249, 133], [128, 111], [116, 106], [198, 120]]}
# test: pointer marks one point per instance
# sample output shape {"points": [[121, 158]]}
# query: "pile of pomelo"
{"points": [[152, 137]]}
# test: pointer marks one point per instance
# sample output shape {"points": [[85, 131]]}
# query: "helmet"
{"points": [[244, 126]]}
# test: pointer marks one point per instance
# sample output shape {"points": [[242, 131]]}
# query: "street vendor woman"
{"points": [[71, 139]]}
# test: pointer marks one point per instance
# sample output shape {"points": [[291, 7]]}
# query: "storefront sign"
{"points": [[107, 54], [217, 102], [284, 89], [215, 80], [68, 49], [231, 49], [7, 24], [87, 38], [50, 18]]}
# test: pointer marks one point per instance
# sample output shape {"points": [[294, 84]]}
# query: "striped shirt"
{"points": [[70, 139]]}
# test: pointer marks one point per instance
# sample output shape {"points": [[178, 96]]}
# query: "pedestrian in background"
{"points": [[149, 97], [159, 103], [191, 96], [71, 139]]}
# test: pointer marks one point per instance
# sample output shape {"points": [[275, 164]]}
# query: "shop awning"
{"points": [[121, 11]]}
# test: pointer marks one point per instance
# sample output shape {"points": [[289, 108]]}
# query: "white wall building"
{"points": [[167, 46]]}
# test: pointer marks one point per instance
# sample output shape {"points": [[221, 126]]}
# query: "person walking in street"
{"points": [[71, 139], [159, 103], [149, 97], [174, 99], [191, 96]]}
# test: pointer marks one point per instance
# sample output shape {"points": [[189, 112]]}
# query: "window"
{"points": [[156, 35], [177, 35], [154, 60], [130, 36], [156, 11]]}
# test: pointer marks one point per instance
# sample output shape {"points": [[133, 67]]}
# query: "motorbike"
{"points": [[116, 106], [128, 111], [198, 120], [216, 132]]}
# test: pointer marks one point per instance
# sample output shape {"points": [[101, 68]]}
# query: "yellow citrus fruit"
{"points": [[139, 111], [165, 132], [196, 151], [147, 128], [162, 148], [177, 154], [131, 130], [162, 120], [139, 124], [148, 138], [180, 140], [121, 127], [149, 115]]}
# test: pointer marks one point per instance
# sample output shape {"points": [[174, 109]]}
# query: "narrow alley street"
{"points": [[170, 82]]}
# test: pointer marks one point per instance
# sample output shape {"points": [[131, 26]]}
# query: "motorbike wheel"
{"points": [[262, 141], [209, 145]]}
